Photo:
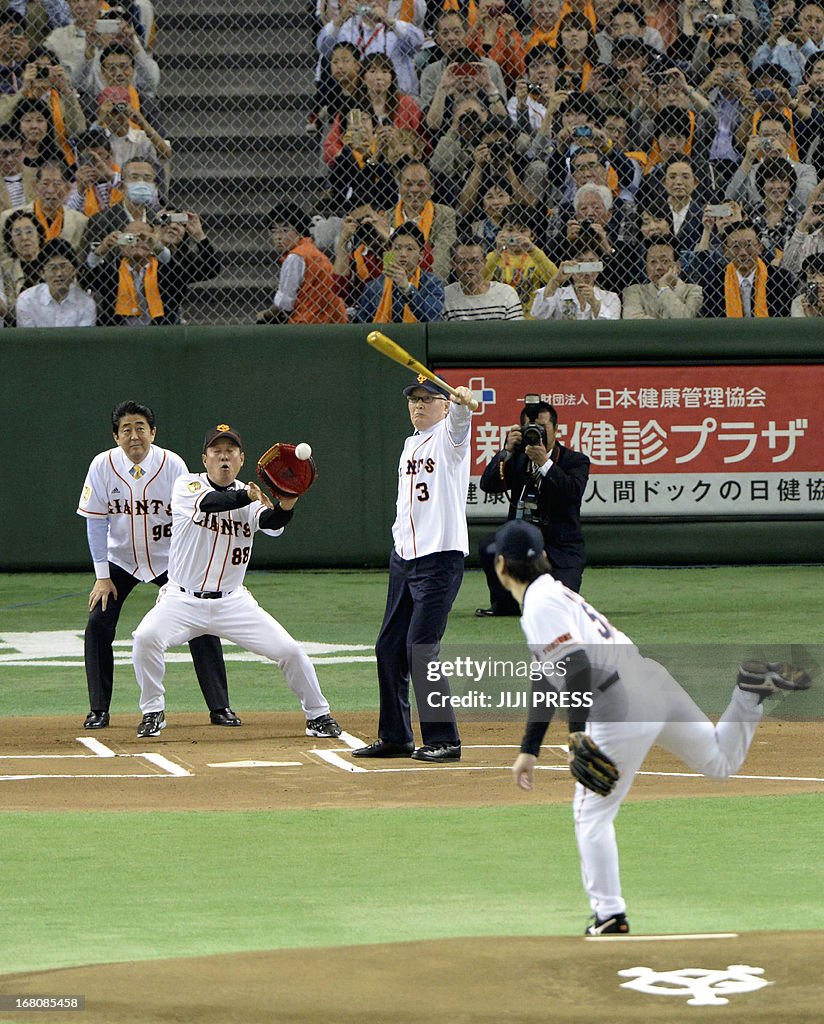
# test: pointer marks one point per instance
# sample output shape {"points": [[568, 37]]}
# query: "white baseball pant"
{"points": [[238, 618], [717, 751]]}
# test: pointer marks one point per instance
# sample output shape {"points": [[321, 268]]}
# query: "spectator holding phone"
{"points": [[517, 260], [496, 36], [811, 300], [140, 200], [666, 297], [97, 178], [58, 301], [16, 179], [14, 48], [494, 160], [121, 61], [808, 237], [466, 71], [361, 244], [573, 293], [404, 293], [626, 22], [728, 89], [130, 135], [361, 173], [776, 213], [373, 30], [791, 42]]}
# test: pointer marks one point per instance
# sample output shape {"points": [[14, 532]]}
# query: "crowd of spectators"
{"points": [[87, 235], [562, 159], [481, 159]]}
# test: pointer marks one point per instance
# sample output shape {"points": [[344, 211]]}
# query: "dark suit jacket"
{"points": [[200, 263], [708, 269], [559, 499]]}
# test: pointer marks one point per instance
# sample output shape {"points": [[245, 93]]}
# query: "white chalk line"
{"points": [[661, 938], [98, 750]]}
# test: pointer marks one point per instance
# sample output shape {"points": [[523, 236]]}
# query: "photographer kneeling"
{"points": [[546, 482]]}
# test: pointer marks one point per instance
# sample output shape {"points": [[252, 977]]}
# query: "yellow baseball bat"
{"points": [[393, 351]]}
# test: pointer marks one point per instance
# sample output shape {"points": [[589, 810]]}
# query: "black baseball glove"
{"points": [[590, 765]]}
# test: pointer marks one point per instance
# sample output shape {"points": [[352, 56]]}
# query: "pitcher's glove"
{"points": [[283, 473], [590, 765]]}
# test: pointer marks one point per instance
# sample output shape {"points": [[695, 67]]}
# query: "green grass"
{"points": [[735, 605], [95, 888]]}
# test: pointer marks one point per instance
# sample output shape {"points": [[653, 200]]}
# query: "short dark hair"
{"points": [[13, 218], [779, 169], [542, 407], [292, 215], [57, 247], [38, 53], [785, 122], [526, 571], [625, 8], [540, 52], [131, 409], [446, 14], [58, 165], [679, 158], [411, 230], [813, 264], [741, 225], [117, 50], [672, 121], [350, 47], [660, 240]]}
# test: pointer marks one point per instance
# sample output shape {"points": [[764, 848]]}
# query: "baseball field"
{"points": [[255, 875]]}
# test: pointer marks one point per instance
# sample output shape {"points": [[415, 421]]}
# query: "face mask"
{"points": [[141, 193]]}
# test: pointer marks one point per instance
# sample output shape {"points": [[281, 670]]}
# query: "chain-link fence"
{"points": [[401, 160]]}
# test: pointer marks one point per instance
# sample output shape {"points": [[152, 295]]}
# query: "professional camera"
{"points": [[532, 432]]}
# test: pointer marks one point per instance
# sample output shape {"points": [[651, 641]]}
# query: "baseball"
{"points": [[303, 450]]}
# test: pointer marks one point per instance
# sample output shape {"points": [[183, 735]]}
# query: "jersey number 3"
{"points": [[423, 492]]}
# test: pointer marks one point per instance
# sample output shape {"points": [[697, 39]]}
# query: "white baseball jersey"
{"points": [[433, 477], [210, 551], [136, 502]]}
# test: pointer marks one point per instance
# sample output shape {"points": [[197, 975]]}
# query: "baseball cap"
{"points": [[518, 541], [424, 384], [220, 431]]}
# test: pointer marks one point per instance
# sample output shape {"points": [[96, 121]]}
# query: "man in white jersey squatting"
{"points": [[635, 702], [126, 502], [425, 573], [214, 520]]}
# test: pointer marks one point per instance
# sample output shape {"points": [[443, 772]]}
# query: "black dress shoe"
{"points": [[223, 716], [96, 720], [437, 752], [383, 748], [482, 613]]}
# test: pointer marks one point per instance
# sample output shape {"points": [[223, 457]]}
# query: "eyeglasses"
{"points": [[426, 399]]}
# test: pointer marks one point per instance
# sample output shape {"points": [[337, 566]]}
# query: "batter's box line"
{"points": [[334, 760], [98, 750]]}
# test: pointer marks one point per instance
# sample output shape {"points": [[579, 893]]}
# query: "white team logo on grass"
{"points": [[704, 987]]}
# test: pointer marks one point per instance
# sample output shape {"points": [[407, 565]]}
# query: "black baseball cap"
{"points": [[424, 384], [518, 541], [220, 431]]}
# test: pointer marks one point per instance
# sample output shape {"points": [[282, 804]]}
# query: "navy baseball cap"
{"points": [[220, 431], [425, 384], [518, 541]]}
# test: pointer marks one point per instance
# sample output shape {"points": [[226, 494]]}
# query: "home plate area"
{"points": [[269, 763]]}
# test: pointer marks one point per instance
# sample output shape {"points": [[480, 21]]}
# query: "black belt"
{"points": [[204, 595]]}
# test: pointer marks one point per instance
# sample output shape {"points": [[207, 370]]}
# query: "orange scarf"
{"points": [[383, 315], [52, 230], [91, 204], [60, 127], [127, 304], [425, 220], [567, 8], [360, 263], [454, 5], [792, 152], [542, 39], [360, 159], [732, 291]]}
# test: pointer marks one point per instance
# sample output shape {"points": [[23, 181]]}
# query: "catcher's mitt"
{"points": [[283, 473], [590, 765]]}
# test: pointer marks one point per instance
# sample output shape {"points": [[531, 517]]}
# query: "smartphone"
{"points": [[583, 268], [388, 261], [720, 210], [126, 239], [107, 26], [355, 118], [178, 218]]}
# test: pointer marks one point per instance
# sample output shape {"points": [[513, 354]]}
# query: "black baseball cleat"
{"points": [[224, 716], [437, 752], [325, 727], [617, 924], [96, 720], [770, 678], [153, 722], [383, 748]]}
